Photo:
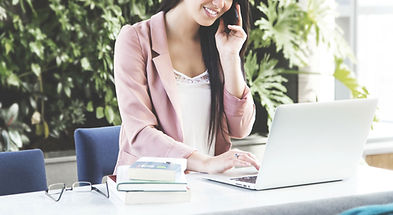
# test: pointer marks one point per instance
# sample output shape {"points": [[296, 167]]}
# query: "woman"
{"points": [[180, 85]]}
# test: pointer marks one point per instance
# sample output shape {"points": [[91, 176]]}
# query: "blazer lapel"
{"points": [[163, 62], [165, 71]]}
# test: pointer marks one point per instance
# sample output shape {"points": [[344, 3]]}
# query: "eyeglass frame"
{"points": [[65, 188]]}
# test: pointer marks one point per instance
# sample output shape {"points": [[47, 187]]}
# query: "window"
{"points": [[374, 47], [367, 28]]}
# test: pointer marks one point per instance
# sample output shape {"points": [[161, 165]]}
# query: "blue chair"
{"points": [[96, 152], [22, 171]]}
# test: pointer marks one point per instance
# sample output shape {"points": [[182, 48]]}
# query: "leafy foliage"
{"points": [[345, 76], [57, 60], [284, 25], [11, 129], [266, 81], [287, 30]]}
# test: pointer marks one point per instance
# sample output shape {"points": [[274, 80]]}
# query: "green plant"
{"points": [[57, 60], [267, 81], [12, 130], [331, 35], [284, 25], [286, 30]]}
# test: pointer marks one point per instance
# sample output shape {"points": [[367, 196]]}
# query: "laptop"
{"points": [[309, 143]]}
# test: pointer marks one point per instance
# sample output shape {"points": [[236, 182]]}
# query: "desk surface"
{"points": [[206, 197]]}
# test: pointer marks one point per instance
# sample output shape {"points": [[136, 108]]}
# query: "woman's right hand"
{"points": [[200, 162], [230, 159]]}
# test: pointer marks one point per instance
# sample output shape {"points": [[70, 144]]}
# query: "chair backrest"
{"points": [[96, 152], [22, 171]]}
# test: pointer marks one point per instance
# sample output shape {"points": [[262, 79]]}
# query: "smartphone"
{"points": [[231, 17]]}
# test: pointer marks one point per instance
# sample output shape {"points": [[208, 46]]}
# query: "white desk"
{"points": [[206, 197]]}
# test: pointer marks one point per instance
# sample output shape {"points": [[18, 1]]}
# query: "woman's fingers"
{"points": [[237, 31], [240, 163], [249, 159], [230, 159], [253, 156]]}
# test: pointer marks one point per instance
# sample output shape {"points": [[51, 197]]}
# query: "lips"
{"points": [[210, 12]]}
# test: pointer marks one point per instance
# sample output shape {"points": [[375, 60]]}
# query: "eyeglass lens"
{"points": [[82, 186]]}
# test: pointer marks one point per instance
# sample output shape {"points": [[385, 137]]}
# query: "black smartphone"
{"points": [[231, 17]]}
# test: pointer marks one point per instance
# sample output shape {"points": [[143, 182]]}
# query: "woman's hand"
{"points": [[233, 158], [230, 159], [229, 44]]}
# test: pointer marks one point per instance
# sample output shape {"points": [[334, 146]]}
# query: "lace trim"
{"points": [[184, 79]]}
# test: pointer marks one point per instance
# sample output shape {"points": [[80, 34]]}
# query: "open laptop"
{"points": [[309, 143]]}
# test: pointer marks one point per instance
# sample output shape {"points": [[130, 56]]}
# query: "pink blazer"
{"points": [[148, 102]]}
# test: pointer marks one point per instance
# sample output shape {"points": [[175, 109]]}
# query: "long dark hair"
{"points": [[212, 60]]}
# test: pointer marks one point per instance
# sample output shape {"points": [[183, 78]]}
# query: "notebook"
{"points": [[309, 143]]}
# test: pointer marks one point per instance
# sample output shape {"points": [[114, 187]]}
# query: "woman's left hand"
{"points": [[231, 43]]}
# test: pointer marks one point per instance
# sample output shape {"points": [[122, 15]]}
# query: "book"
{"points": [[153, 197], [133, 185], [126, 184], [157, 169], [181, 161]]}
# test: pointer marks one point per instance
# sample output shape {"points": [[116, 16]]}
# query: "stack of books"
{"points": [[151, 180]]}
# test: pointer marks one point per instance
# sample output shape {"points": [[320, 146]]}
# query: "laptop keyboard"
{"points": [[248, 179]]}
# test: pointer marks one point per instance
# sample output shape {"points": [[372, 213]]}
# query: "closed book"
{"points": [[152, 170], [181, 161], [153, 197], [125, 184], [134, 185]]}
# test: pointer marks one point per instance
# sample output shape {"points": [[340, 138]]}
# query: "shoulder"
{"points": [[134, 37], [142, 30], [133, 32]]}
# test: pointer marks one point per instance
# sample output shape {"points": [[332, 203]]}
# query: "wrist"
{"points": [[230, 57], [231, 64], [198, 162], [207, 165]]}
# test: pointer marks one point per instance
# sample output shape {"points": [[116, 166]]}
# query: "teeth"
{"points": [[212, 12]]}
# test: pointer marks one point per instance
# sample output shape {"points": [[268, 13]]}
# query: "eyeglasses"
{"points": [[55, 191]]}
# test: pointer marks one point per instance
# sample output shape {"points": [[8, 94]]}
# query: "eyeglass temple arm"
{"points": [[50, 196], [98, 190]]}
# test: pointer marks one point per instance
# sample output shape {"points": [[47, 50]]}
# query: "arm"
{"points": [[135, 106], [240, 113], [239, 106]]}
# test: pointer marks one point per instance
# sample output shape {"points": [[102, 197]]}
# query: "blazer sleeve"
{"points": [[240, 113], [138, 120]]}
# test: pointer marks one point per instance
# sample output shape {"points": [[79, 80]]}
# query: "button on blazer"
{"points": [[148, 101]]}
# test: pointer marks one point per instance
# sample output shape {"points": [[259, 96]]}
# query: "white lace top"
{"points": [[194, 95]]}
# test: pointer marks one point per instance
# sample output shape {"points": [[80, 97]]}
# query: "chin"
{"points": [[206, 23], [203, 21]]}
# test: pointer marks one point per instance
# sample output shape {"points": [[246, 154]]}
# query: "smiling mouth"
{"points": [[211, 12]]}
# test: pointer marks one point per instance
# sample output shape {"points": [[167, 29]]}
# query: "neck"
{"points": [[180, 26]]}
